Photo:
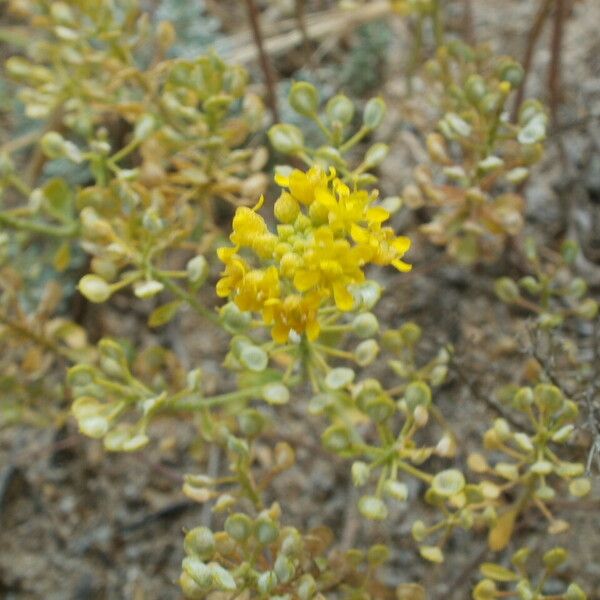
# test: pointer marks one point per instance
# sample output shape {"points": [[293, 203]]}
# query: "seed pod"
{"points": [[373, 113], [372, 508], [304, 98], [287, 139]]}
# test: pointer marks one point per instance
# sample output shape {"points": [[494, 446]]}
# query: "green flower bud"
{"points": [[200, 542], [419, 531], [396, 490], [432, 554], [563, 434], [222, 579], [531, 285], [197, 269], [233, 319], [457, 125], [266, 531], [517, 175], [94, 288], [475, 88], [376, 154], [266, 582], [284, 569], [366, 295], [339, 378], [199, 572], [524, 442], [489, 164], [287, 139], [276, 393], [191, 590], [365, 325], [251, 422], [125, 438], [304, 98], [336, 438], [548, 397], [507, 290], [534, 130], [448, 483], [252, 357], [580, 487], [307, 587], [372, 508], [512, 72], [360, 473], [417, 394], [148, 289], [238, 526], [340, 108], [366, 352], [373, 113]]}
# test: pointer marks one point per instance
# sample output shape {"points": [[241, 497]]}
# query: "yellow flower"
{"points": [[251, 231], [235, 269], [302, 185], [346, 209], [382, 246], [294, 313], [326, 236], [330, 265], [256, 288]]}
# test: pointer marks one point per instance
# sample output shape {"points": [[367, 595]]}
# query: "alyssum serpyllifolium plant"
{"points": [[135, 156]]}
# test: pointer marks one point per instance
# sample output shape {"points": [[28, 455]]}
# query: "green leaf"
{"points": [[163, 314]]}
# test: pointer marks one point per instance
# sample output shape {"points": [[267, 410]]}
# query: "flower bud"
{"points": [[366, 352], [365, 325], [276, 393], [396, 490], [360, 473], [266, 531], [304, 98], [94, 288], [507, 290], [339, 378], [340, 109], [266, 582], [200, 542], [222, 579], [148, 288], [197, 269], [417, 394], [287, 139], [197, 571], [284, 568], [376, 154], [286, 208], [373, 113], [372, 508], [238, 526]]}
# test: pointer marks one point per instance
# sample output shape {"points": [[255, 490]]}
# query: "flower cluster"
{"points": [[326, 235]]}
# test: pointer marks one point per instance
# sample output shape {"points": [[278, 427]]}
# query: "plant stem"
{"points": [[60, 231], [265, 63]]}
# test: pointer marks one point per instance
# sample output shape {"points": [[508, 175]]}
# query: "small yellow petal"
{"points": [[343, 298], [401, 265]]}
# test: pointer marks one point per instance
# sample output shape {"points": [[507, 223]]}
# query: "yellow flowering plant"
{"points": [[143, 192]]}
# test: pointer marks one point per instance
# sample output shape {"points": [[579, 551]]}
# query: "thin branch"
{"points": [[532, 38], [265, 62], [554, 73]]}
